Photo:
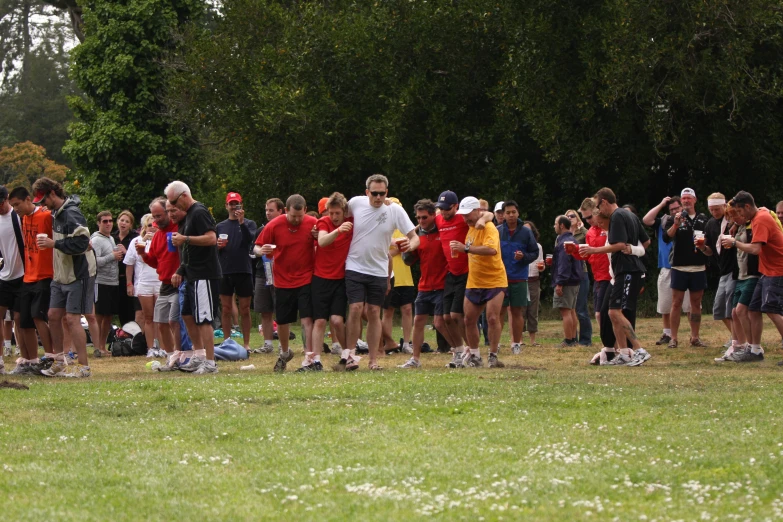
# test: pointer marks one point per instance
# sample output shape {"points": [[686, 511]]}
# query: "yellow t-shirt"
{"points": [[485, 271], [402, 272]]}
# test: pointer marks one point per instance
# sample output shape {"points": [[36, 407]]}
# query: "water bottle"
{"points": [[270, 278]]}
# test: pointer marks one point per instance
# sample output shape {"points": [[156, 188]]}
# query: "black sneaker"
{"points": [[317, 366], [746, 356], [309, 368], [282, 361], [326, 348], [425, 347], [44, 363], [665, 339]]}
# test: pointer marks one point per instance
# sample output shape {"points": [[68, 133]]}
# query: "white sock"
{"points": [[667, 331], [268, 343], [344, 354], [755, 349], [317, 358], [211, 362], [7, 343], [475, 351], [201, 354]]}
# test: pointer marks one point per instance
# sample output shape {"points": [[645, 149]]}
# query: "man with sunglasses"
{"points": [[106, 256], [368, 266], [673, 206], [199, 266], [72, 291]]}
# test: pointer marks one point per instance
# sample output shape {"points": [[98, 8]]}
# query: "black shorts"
{"points": [[693, 281], [34, 302], [599, 290], [400, 296], [106, 299], [768, 296], [10, 292], [454, 293], [625, 291], [363, 288], [429, 303], [201, 300], [240, 284], [328, 297], [291, 302]]}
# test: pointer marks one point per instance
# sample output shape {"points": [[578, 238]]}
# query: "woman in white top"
{"points": [[143, 280], [534, 288]]}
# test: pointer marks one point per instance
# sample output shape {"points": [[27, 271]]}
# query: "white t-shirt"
{"points": [[533, 267], [372, 235], [12, 261], [143, 274]]}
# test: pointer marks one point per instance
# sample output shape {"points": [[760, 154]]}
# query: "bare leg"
{"points": [[319, 329], [517, 323], [207, 334], [165, 338], [756, 326], [78, 337], [695, 318], [740, 333], [283, 332], [147, 309], [354, 326], [494, 322], [44, 333], [338, 330], [419, 323], [194, 332], [407, 321], [674, 315], [623, 331], [307, 326], [472, 313], [244, 314], [373, 331], [777, 320], [226, 305]]}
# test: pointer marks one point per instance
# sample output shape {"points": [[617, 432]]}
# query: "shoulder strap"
{"points": [[18, 234]]}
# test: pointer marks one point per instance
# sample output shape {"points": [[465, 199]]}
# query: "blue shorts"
{"points": [[480, 296], [693, 281], [429, 303]]}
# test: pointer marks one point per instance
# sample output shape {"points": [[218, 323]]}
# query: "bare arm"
{"points": [[753, 249], [649, 218]]}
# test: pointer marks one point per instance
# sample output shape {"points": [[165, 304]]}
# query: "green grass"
{"points": [[547, 438]]}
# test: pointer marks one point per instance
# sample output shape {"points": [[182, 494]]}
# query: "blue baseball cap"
{"points": [[446, 200]]}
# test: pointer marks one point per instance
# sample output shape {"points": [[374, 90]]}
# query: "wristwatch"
{"points": [[467, 248]]}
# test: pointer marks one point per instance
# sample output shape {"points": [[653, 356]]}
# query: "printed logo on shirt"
{"points": [[382, 218]]}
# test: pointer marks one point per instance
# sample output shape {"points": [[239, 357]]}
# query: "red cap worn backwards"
{"points": [[233, 196], [39, 197]]}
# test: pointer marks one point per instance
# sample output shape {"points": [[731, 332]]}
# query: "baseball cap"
{"points": [[322, 205], [688, 192], [3, 193], [233, 196], [468, 205], [39, 197], [499, 206], [446, 200]]}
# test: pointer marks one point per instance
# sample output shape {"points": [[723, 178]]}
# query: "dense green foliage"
{"points": [[540, 101], [124, 148]]}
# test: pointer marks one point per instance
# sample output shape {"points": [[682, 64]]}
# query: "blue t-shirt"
{"points": [[664, 248]]}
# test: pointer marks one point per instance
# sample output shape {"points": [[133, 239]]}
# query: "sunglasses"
{"points": [[377, 194], [588, 218], [107, 221], [175, 201], [421, 218], [571, 216]]}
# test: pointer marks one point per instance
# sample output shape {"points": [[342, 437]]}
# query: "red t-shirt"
{"points": [[454, 230], [164, 262], [596, 237], [38, 263], [330, 260], [295, 253], [766, 232], [432, 262]]}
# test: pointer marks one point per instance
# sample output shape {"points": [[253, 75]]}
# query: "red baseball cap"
{"points": [[39, 197], [233, 196], [322, 205]]}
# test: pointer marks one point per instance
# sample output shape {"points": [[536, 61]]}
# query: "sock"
{"points": [[268, 343], [667, 331], [7, 343], [755, 349], [34, 361], [201, 354], [184, 356], [308, 359], [49, 355], [734, 342], [345, 353], [211, 362], [475, 351], [317, 358], [59, 356]]}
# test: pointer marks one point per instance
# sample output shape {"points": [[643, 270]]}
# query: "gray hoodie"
{"points": [[108, 271]]}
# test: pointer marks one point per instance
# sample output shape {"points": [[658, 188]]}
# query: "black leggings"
{"points": [[607, 330]]}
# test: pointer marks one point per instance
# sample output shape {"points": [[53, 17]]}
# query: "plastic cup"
{"points": [[699, 240], [399, 241], [169, 244], [224, 237], [540, 265], [548, 260], [569, 247], [727, 237], [454, 253]]}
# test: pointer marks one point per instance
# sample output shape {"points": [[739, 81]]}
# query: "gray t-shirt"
{"points": [[108, 271]]}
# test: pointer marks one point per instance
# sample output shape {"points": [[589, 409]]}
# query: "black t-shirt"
{"points": [[199, 262], [727, 259], [684, 252], [235, 256], [625, 227], [126, 243]]}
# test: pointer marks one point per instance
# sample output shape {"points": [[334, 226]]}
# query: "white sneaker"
{"points": [[337, 349], [362, 344], [516, 348], [640, 356], [407, 348], [151, 353], [411, 363], [206, 368]]}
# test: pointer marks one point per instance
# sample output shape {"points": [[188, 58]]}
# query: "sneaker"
{"points": [[665, 339], [192, 364], [725, 357], [568, 343], [72, 355], [151, 353], [167, 367], [206, 368], [728, 344], [474, 361], [283, 360], [640, 356], [312, 367], [20, 369], [410, 364], [747, 356], [697, 343], [75, 371], [619, 360], [672, 344], [494, 362], [56, 368], [44, 363], [516, 348], [337, 349], [264, 348], [456, 362], [8, 351], [426, 348], [407, 348], [362, 347], [17, 351]]}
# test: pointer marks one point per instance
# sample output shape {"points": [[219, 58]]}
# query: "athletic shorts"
{"points": [[106, 299], [693, 281], [768, 296], [724, 298], [599, 290], [34, 302], [400, 296], [517, 295], [665, 293], [240, 284], [264, 297], [328, 296], [167, 309], [480, 296], [76, 298], [292, 302], [454, 293], [429, 303], [201, 300], [363, 288], [743, 291], [146, 290], [625, 291], [10, 292], [568, 299]]}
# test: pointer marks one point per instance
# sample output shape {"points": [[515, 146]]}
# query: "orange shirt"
{"points": [[767, 232], [38, 264]]}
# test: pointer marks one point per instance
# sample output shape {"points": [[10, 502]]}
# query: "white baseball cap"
{"points": [[499, 206], [688, 192], [468, 205]]}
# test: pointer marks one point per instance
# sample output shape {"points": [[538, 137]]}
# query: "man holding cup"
{"points": [[566, 278], [235, 240], [686, 231]]}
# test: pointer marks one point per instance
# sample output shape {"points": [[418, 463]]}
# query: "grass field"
{"points": [[547, 438]]}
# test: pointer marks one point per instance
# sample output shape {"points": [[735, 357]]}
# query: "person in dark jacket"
{"points": [[566, 277], [519, 248]]}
